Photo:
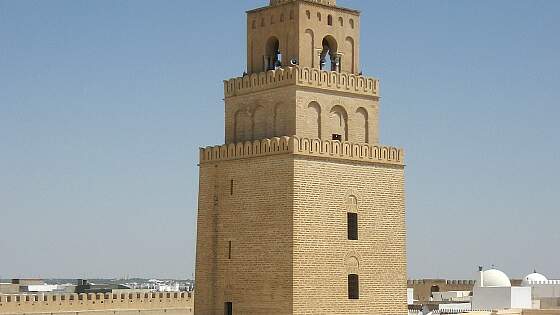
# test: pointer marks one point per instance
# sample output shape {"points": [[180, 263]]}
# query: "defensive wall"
{"points": [[302, 76], [424, 288], [306, 147], [171, 303]]}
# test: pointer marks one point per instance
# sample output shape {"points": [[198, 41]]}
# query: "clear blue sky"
{"points": [[103, 105]]}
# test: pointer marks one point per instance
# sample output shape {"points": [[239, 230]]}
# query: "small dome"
{"points": [[495, 278], [534, 277]]}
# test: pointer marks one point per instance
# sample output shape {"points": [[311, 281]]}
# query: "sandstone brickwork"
{"points": [[301, 211]]}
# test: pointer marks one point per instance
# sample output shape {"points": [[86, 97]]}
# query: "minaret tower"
{"points": [[301, 211]]}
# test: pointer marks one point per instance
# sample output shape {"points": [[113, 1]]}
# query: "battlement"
{"points": [[548, 282], [443, 281], [302, 76], [304, 146], [34, 303], [325, 2]]}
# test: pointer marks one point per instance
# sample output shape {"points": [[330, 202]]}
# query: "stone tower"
{"points": [[301, 211]]}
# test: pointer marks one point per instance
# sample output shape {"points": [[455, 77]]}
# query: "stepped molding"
{"points": [[302, 76], [303, 146]]}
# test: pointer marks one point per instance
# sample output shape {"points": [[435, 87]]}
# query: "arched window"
{"points": [[272, 19], [262, 22], [319, 16], [308, 14], [291, 14], [352, 23], [352, 217], [339, 123], [272, 58], [329, 55], [341, 21], [329, 20], [281, 17], [254, 24]]}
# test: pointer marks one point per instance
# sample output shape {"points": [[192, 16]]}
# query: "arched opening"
{"points": [[319, 16], [352, 203], [314, 120], [339, 123], [341, 21], [308, 14], [352, 23], [329, 20], [362, 126], [330, 60], [272, 57]]}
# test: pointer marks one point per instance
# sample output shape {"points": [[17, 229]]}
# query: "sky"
{"points": [[104, 104]]}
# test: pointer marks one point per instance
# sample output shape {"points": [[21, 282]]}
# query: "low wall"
{"points": [[172, 303]]}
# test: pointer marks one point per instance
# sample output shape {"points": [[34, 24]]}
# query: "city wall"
{"points": [[171, 303]]}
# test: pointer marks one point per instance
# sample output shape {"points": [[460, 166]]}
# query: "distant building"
{"points": [[544, 293], [494, 291]]}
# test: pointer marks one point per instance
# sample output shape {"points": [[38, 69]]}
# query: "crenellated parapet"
{"points": [[49, 302], [302, 76], [324, 2], [304, 146]]}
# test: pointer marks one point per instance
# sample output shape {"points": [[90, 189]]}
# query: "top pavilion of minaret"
{"points": [[307, 33]]}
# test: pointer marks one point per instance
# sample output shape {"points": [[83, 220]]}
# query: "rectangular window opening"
{"points": [[353, 287], [231, 187], [229, 250], [228, 308], [352, 226]]}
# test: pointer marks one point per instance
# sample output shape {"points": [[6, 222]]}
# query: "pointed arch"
{"points": [[338, 121]]}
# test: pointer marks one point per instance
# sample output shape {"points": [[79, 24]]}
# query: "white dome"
{"points": [[495, 278], [534, 277]]}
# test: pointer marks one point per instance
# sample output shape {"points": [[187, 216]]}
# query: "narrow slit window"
{"points": [[229, 250], [352, 226], [353, 287], [231, 187], [228, 308]]}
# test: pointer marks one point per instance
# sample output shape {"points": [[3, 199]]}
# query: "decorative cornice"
{"points": [[305, 147], [302, 76]]}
